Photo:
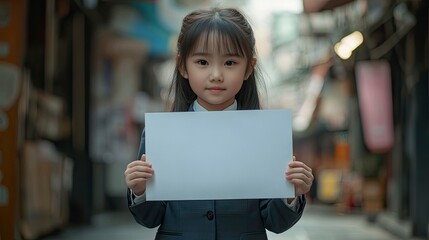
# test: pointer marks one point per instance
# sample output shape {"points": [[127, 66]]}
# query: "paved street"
{"points": [[318, 222]]}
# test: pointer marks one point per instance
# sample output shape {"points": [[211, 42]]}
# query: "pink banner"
{"points": [[374, 89]]}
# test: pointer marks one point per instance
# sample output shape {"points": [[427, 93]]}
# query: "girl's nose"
{"points": [[216, 75]]}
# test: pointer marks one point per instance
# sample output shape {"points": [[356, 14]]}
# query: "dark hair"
{"points": [[231, 30]]}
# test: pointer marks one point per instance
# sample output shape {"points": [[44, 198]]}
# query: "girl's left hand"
{"points": [[300, 175]]}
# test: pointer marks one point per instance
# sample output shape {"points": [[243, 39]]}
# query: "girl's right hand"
{"points": [[137, 174]]}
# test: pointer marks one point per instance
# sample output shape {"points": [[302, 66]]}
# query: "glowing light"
{"points": [[348, 44]]}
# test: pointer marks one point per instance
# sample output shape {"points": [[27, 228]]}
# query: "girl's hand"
{"points": [[137, 174], [300, 176]]}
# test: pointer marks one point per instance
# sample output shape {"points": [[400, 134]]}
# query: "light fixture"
{"points": [[348, 44]]}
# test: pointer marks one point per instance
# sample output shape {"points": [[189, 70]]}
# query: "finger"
{"points": [[307, 179], [143, 157], [144, 176], [144, 168], [139, 168], [138, 163], [295, 164], [307, 173], [299, 176], [300, 168], [141, 175]]}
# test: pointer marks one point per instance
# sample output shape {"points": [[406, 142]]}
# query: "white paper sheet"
{"points": [[219, 154]]}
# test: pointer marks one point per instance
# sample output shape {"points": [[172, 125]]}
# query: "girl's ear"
{"points": [[251, 68], [181, 67]]}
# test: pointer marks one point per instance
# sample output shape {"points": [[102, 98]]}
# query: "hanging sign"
{"points": [[375, 103]]}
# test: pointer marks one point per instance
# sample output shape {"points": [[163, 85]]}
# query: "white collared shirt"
{"points": [[198, 108]]}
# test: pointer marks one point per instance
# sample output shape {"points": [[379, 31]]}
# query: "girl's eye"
{"points": [[230, 63], [202, 62]]}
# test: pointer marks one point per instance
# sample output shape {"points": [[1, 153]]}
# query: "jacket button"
{"points": [[210, 215]]}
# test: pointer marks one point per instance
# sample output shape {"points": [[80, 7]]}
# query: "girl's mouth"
{"points": [[216, 90]]}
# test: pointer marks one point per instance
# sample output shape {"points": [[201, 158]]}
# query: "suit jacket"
{"points": [[244, 219]]}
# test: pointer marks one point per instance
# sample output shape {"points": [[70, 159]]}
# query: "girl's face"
{"points": [[215, 75]]}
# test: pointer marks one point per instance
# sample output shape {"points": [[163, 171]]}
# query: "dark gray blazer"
{"points": [[215, 219]]}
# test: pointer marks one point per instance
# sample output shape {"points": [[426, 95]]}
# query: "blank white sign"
{"points": [[219, 154]]}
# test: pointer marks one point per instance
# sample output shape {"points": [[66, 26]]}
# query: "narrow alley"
{"points": [[318, 222], [80, 82]]}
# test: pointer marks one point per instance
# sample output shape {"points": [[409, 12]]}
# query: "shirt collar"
{"points": [[198, 108]]}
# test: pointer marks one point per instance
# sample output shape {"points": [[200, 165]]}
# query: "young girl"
{"points": [[215, 70]]}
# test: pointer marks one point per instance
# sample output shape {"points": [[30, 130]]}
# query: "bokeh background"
{"points": [[77, 77]]}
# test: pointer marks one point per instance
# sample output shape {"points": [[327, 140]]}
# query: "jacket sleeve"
{"points": [[148, 213], [277, 216]]}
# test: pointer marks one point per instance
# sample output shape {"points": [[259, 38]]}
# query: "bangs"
{"points": [[221, 42], [216, 35]]}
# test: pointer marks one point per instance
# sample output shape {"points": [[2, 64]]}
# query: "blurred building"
{"points": [[77, 76]]}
